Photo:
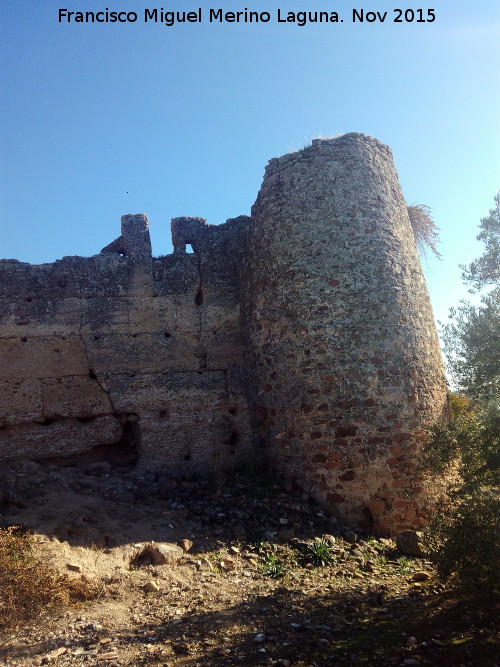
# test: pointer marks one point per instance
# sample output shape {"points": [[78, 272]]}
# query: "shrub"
{"points": [[464, 542], [26, 586], [464, 537], [424, 228]]}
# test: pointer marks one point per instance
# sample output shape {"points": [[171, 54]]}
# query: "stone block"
{"points": [[51, 356], [63, 437], [20, 401], [74, 396]]}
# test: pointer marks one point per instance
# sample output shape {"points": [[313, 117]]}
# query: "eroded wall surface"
{"points": [[140, 355]]}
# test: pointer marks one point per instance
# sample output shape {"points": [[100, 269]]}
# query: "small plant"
{"points": [[404, 564], [424, 228], [381, 560], [273, 566], [319, 553], [260, 546]]}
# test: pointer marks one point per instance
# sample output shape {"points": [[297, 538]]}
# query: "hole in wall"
{"points": [[234, 438], [123, 454], [233, 411], [167, 334], [162, 414], [187, 457], [189, 249], [24, 339], [92, 375], [84, 420], [28, 299], [96, 337], [198, 299], [127, 451], [47, 421]]}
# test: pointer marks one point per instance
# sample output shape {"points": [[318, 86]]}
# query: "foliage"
{"points": [[404, 564], [472, 339], [424, 228], [485, 270], [465, 542], [273, 565], [472, 346], [26, 586], [276, 561], [464, 539], [318, 552], [464, 535], [469, 441]]}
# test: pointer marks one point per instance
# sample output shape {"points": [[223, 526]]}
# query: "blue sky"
{"points": [[98, 120]]}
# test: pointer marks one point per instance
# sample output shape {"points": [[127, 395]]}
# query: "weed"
{"points": [[404, 564], [26, 586], [260, 546], [273, 566], [319, 553]]}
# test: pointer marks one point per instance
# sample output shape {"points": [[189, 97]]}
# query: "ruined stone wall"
{"points": [[342, 355], [127, 356], [303, 334]]}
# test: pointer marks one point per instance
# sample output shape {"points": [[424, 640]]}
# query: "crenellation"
{"points": [[302, 334]]}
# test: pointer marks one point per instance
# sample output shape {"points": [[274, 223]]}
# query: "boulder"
{"points": [[409, 542], [156, 553]]}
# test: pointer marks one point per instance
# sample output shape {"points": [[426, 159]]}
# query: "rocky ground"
{"points": [[238, 572]]}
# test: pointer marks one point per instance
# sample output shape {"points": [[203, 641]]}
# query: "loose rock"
{"points": [[409, 542]]}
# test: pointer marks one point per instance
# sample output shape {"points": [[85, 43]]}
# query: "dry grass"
{"points": [[26, 586]]}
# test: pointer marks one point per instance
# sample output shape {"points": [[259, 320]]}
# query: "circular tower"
{"points": [[342, 354]]}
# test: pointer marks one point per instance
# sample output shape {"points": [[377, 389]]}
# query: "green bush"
{"points": [[464, 538], [464, 542]]}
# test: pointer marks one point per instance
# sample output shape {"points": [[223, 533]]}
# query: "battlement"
{"points": [[302, 334]]}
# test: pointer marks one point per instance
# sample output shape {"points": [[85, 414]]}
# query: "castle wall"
{"points": [[303, 335], [141, 355], [342, 355]]}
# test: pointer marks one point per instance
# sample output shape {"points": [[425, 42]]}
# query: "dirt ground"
{"points": [[259, 576]]}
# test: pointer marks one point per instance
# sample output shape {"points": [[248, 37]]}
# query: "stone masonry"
{"points": [[302, 335]]}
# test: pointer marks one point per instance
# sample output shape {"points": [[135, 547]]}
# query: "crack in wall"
{"points": [[202, 353], [226, 385], [92, 372]]}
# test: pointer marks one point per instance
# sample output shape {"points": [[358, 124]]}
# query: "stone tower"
{"points": [[342, 356], [304, 333]]}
